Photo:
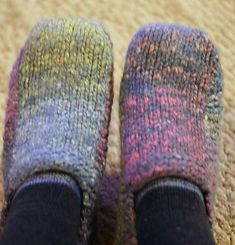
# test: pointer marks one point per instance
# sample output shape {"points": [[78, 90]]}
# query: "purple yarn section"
{"points": [[12, 112], [172, 77]]}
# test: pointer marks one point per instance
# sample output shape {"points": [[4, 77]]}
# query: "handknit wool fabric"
{"points": [[58, 110], [170, 109]]}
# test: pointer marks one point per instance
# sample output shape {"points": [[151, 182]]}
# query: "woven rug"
{"points": [[123, 18]]}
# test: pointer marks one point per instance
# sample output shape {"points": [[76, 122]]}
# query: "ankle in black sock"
{"points": [[172, 215], [44, 213]]}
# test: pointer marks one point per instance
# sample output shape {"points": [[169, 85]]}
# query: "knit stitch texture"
{"points": [[58, 110], [170, 111]]}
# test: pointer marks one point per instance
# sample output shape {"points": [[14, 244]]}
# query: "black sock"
{"points": [[43, 214], [172, 216]]}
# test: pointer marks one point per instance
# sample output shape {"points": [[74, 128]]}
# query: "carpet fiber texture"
{"points": [[122, 19]]}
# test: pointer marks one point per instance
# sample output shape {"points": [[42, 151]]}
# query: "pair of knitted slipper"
{"points": [[60, 98]]}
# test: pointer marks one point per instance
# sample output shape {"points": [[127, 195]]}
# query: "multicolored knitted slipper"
{"points": [[58, 109], [170, 109]]}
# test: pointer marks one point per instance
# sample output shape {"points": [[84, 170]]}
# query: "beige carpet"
{"points": [[122, 18]]}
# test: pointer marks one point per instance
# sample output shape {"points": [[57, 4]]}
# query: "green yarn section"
{"points": [[62, 54]]}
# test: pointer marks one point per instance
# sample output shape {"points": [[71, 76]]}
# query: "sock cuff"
{"points": [[176, 214], [50, 178], [169, 182]]}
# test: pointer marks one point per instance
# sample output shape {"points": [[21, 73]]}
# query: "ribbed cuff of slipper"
{"points": [[50, 178], [168, 183]]}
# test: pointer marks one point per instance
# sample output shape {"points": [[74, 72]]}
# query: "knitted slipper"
{"points": [[58, 109], [170, 109]]}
